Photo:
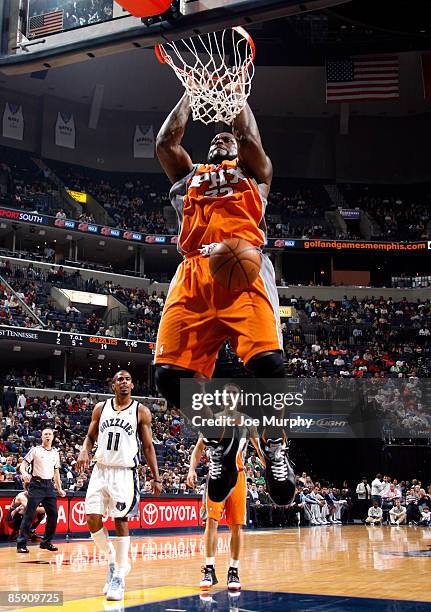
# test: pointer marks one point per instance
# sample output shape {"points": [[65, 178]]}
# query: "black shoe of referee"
{"points": [[48, 546], [22, 548]]}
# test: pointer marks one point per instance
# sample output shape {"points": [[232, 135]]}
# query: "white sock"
{"points": [[234, 563], [122, 545], [103, 544], [210, 561]]}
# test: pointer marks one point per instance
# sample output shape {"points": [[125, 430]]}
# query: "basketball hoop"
{"points": [[216, 71]]}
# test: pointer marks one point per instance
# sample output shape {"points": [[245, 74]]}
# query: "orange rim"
{"points": [[162, 55]]}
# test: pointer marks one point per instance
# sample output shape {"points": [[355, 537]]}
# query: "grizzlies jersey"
{"points": [[117, 442], [215, 202]]}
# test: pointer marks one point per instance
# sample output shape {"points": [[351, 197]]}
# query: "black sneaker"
{"points": [[223, 470], [209, 578], [48, 546], [279, 475], [233, 583], [34, 537], [22, 548]]}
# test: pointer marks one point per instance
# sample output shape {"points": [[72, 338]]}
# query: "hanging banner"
{"points": [[65, 131], [13, 121], [143, 142]]}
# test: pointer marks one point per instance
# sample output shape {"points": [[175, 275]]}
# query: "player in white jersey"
{"points": [[118, 424]]}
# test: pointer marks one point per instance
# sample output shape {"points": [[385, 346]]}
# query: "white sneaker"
{"points": [[324, 522], [116, 589], [111, 568]]}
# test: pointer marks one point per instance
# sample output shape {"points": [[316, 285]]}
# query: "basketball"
{"points": [[235, 264]]}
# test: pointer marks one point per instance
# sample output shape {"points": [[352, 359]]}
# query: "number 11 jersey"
{"points": [[117, 442]]}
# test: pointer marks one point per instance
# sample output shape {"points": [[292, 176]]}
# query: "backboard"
{"points": [[51, 33]]}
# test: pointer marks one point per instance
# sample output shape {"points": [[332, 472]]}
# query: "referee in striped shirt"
{"points": [[45, 463]]}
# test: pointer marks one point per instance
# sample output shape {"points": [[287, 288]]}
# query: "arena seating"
{"points": [[295, 208], [403, 212]]}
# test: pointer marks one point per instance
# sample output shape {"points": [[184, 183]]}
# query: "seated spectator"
{"points": [[16, 513], [8, 466], [412, 509], [398, 514], [425, 518], [375, 514]]}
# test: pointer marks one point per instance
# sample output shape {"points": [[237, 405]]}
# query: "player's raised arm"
{"points": [[144, 428], [173, 158], [91, 437], [251, 154]]}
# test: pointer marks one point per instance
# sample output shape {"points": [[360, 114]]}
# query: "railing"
{"points": [[23, 305]]}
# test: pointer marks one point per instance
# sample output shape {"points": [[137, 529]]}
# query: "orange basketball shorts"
{"points": [[199, 315], [235, 504]]}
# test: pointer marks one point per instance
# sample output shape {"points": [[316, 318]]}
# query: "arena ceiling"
{"points": [[135, 81], [290, 75]]}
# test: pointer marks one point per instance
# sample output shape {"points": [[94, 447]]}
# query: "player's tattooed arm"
{"points": [[91, 437], [173, 158], [251, 154], [145, 434]]}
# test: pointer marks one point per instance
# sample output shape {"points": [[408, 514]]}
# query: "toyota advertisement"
{"points": [[160, 513]]}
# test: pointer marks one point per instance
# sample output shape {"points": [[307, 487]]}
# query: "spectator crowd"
{"points": [[295, 209]]}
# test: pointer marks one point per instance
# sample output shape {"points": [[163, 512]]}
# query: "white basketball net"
{"points": [[216, 70]]}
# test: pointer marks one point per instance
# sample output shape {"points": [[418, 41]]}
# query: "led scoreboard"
{"points": [[67, 340]]}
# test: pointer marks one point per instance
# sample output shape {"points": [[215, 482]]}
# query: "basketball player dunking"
{"points": [[114, 486], [222, 198]]}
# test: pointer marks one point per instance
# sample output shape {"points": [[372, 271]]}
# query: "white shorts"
{"points": [[113, 491]]}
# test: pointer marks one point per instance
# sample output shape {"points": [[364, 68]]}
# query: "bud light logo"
{"points": [[69, 224], [93, 229], [289, 243], [160, 239]]}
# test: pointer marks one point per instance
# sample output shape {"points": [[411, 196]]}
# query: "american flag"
{"points": [[48, 23], [364, 78]]}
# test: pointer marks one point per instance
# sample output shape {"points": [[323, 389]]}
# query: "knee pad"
{"points": [[168, 383], [270, 365]]}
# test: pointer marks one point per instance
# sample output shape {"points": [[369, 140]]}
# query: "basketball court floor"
{"points": [[316, 568]]}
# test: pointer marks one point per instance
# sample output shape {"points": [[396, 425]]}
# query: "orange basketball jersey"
{"points": [[218, 201]]}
